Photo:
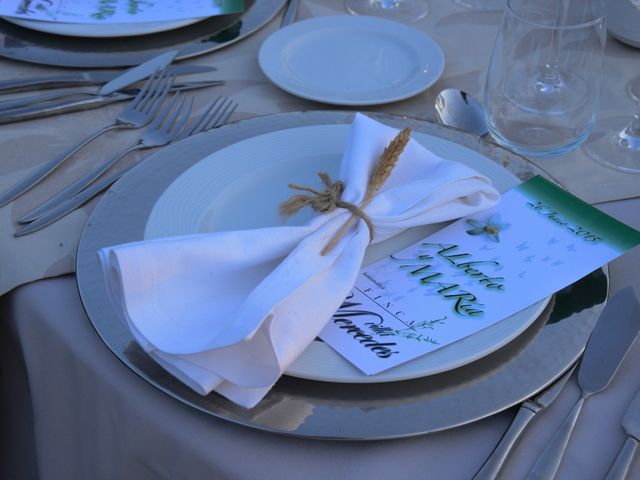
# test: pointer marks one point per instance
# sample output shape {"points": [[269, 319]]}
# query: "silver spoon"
{"points": [[456, 108]]}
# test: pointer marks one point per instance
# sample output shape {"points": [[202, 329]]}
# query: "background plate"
{"points": [[235, 189], [107, 30], [337, 410], [202, 37], [623, 22], [351, 60]]}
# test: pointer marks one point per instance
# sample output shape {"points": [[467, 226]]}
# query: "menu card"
{"points": [[116, 11], [473, 273]]}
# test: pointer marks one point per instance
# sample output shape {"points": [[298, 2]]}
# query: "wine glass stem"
{"points": [[630, 136], [550, 79]]}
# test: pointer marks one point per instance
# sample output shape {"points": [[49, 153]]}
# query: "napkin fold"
{"points": [[231, 311]]}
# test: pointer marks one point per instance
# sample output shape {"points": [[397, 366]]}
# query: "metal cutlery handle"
{"points": [[75, 187], [70, 205], [494, 463], [64, 106], [91, 77], [620, 468], [45, 169], [94, 101], [67, 80], [551, 457], [44, 97], [531, 407]]}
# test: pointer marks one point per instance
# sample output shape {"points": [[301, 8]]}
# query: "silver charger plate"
{"points": [[196, 39], [330, 410]]}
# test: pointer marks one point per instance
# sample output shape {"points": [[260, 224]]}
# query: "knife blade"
{"points": [[608, 344], [45, 109], [631, 424], [33, 100], [528, 410], [95, 77], [137, 73]]}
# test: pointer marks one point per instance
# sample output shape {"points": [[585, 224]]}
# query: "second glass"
{"points": [[544, 77]]}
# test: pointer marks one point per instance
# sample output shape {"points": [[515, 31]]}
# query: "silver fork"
{"points": [[161, 131], [215, 116], [138, 113]]}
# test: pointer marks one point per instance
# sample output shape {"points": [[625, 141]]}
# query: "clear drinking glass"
{"points": [[483, 5], [405, 11], [615, 141], [544, 77]]}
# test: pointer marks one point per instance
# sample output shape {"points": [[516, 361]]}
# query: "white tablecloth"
{"points": [[94, 418]]}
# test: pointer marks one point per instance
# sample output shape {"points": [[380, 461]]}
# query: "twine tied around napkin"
{"points": [[331, 197]]}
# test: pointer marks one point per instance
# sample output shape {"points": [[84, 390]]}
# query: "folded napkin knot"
{"points": [[331, 198], [323, 201]]}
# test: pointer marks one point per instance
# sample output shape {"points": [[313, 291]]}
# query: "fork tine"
{"points": [[213, 115], [159, 119], [170, 118], [154, 102], [199, 124], [229, 107], [183, 121], [217, 114], [224, 118], [149, 85]]}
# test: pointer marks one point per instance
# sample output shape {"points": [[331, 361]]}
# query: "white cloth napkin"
{"points": [[231, 311]]}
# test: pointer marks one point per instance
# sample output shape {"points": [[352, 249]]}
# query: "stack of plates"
{"points": [[120, 45], [215, 181], [234, 189], [101, 31]]}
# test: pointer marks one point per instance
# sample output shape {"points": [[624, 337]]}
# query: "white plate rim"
{"points": [[423, 45], [337, 369], [107, 30]]}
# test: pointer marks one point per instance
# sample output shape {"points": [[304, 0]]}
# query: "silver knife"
{"points": [[33, 100], [46, 109], [128, 77], [95, 77], [528, 410], [609, 343], [631, 425]]}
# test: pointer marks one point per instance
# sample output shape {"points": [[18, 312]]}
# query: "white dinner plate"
{"points": [[240, 187], [351, 60], [106, 30]]}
